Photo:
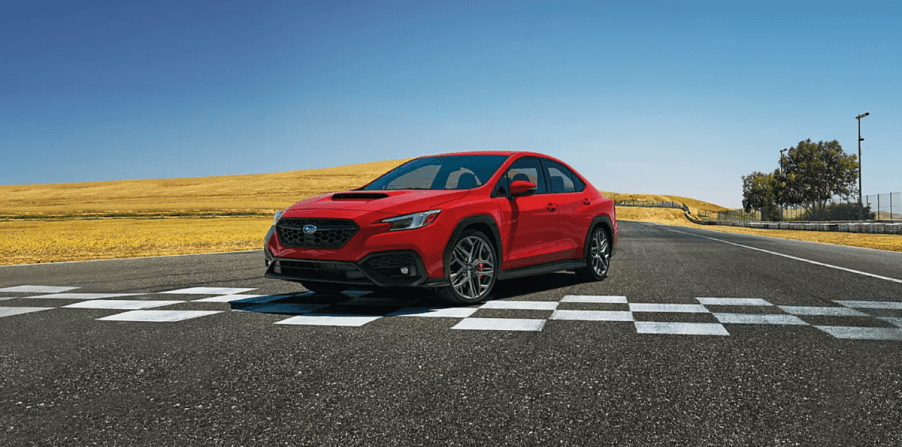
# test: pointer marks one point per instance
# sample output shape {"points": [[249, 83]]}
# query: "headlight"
{"points": [[278, 216], [411, 221]]}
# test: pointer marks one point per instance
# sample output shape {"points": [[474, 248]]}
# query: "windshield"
{"points": [[441, 173]]}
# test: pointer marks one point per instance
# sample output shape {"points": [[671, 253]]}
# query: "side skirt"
{"points": [[571, 264]]}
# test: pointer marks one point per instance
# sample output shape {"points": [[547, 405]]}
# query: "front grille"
{"points": [[330, 233]]}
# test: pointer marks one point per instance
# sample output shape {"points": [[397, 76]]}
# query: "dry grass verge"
{"points": [[31, 242]]}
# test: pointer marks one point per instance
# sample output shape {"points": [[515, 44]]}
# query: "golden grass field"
{"points": [[256, 194], [33, 241], [136, 218]]}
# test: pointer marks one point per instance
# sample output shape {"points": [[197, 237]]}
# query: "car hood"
{"points": [[388, 202]]}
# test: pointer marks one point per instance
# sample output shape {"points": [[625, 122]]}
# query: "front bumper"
{"points": [[396, 268]]}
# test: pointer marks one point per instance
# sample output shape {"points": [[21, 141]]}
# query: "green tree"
{"points": [[761, 192], [811, 173]]}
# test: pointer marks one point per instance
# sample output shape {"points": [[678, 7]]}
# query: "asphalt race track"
{"points": [[696, 338]]}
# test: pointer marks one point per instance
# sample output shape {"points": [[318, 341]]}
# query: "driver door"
{"points": [[529, 227]]}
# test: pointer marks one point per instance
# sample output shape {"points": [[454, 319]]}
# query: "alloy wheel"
{"points": [[599, 253], [472, 267]]}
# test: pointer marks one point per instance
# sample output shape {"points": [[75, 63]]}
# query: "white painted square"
{"points": [[592, 315], [893, 320], [734, 301], [822, 311], [521, 305], [674, 308], [331, 320], [120, 304], [654, 327], [283, 308], [759, 319], [225, 298], [500, 324], [159, 316], [37, 289], [863, 333], [84, 296], [872, 304], [594, 299], [445, 312], [10, 311], [208, 291]]}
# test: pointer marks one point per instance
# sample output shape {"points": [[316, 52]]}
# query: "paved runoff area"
{"points": [[695, 338], [706, 316]]}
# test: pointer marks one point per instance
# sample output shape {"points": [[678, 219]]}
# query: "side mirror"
{"points": [[521, 188]]}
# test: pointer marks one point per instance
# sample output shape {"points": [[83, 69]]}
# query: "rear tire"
{"points": [[472, 267], [598, 258], [327, 288]]}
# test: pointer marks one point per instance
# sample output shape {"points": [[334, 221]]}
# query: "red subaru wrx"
{"points": [[454, 223]]}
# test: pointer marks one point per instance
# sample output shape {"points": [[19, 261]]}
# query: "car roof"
{"points": [[536, 154]]}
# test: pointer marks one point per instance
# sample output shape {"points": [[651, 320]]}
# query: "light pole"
{"points": [[784, 182], [860, 204]]}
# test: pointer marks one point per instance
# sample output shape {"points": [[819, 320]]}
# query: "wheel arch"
{"points": [[482, 222], [604, 222]]}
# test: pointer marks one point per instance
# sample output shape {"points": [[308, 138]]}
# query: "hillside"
{"points": [[693, 204], [255, 194]]}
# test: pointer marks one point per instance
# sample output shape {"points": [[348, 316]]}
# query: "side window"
{"points": [[526, 169], [580, 186], [560, 178]]}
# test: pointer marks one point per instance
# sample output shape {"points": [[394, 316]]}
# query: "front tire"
{"points": [[598, 259], [326, 288], [472, 268]]}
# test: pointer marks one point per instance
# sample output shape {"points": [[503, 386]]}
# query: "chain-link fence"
{"points": [[885, 206], [738, 215], [875, 207]]}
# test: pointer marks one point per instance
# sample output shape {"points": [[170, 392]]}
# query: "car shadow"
{"points": [[350, 302], [510, 288], [393, 301]]}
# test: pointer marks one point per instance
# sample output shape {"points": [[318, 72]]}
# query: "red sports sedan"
{"points": [[454, 223]]}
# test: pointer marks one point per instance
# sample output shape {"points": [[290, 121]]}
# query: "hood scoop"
{"points": [[359, 196]]}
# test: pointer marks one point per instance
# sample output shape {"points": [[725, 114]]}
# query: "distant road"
{"points": [[697, 337]]}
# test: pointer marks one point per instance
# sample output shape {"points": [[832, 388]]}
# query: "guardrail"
{"points": [[872, 227]]}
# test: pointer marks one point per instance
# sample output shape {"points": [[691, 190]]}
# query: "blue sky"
{"points": [[658, 97]]}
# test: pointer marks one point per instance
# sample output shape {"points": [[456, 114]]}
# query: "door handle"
{"points": [[551, 207], [587, 202]]}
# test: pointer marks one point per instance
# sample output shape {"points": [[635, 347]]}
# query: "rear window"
{"points": [[562, 179]]}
